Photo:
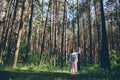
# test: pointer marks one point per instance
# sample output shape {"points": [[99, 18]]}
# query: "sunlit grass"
{"points": [[89, 72], [45, 68]]}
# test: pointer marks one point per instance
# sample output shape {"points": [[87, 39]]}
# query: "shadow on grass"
{"points": [[114, 74]]}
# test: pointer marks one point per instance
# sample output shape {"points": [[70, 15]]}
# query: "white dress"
{"points": [[73, 61]]}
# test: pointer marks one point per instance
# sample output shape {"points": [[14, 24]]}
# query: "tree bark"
{"points": [[63, 28], [84, 38], [78, 26], [98, 31], [43, 38], [19, 36], [90, 33], [9, 49], [29, 33], [104, 54]]}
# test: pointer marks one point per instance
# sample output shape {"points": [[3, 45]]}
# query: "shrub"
{"points": [[113, 58]]}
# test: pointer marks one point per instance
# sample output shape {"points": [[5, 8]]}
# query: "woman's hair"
{"points": [[72, 50]]}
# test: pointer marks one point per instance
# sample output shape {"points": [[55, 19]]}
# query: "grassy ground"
{"points": [[90, 73]]}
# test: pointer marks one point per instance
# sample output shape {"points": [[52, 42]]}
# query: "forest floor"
{"points": [[86, 74]]}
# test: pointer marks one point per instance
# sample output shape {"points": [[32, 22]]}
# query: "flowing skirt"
{"points": [[73, 67]]}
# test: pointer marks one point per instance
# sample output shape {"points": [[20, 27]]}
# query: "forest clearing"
{"points": [[59, 39]]}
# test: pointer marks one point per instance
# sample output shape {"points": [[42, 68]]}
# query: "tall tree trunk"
{"points": [[66, 26], [55, 20], [78, 26], [111, 32], [94, 44], [84, 38], [19, 36], [43, 38], [98, 30], [104, 54], [34, 43], [5, 31], [50, 41], [9, 49], [55, 41], [29, 33], [118, 24], [42, 24], [63, 28], [90, 33], [59, 36], [73, 31]]}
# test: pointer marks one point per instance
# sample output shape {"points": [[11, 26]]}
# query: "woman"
{"points": [[73, 61]]}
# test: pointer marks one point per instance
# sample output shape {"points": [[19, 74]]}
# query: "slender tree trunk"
{"points": [[43, 38], [118, 25], [63, 28], [98, 31], [51, 26], [73, 31], [90, 34], [94, 44], [111, 32], [19, 36], [78, 25], [55, 39], [34, 43], [84, 38], [54, 35], [104, 54], [29, 33], [66, 32], [42, 24], [9, 49], [59, 37]]}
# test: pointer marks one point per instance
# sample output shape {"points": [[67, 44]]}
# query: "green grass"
{"points": [[86, 73]]}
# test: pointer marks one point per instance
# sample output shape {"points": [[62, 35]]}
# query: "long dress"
{"points": [[73, 62]]}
